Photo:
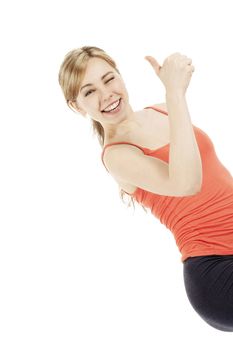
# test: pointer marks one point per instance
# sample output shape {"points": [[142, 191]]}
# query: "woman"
{"points": [[166, 164]]}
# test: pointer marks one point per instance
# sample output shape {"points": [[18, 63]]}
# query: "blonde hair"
{"points": [[70, 77]]}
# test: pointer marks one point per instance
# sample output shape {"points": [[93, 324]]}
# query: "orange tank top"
{"points": [[202, 224]]}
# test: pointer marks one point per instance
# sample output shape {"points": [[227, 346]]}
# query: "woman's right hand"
{"points": [[175, 72]]}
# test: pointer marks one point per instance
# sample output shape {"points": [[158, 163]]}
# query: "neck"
{"points": [[122, 130]]}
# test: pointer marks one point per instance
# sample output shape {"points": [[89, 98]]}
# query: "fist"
{"points": [[175, 73]]}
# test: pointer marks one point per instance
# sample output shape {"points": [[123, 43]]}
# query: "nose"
{"points": [[105, 97], [105, 93]]}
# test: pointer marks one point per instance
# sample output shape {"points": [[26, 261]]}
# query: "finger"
{"points": [[154, 63], [190, 68]]}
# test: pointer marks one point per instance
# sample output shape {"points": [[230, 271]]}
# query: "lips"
{"points": [[110, 104]]}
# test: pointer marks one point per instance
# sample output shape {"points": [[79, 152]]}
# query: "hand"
{"points": [[175, 73]]}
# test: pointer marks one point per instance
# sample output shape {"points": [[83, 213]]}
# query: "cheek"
{"points": [[122, 84], [120, 87]]}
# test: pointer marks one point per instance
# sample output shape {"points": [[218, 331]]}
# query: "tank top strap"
{"points": [[129, 143], [157, 109]]}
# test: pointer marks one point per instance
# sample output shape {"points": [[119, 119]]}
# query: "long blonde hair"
{"points": [[70, 77]]}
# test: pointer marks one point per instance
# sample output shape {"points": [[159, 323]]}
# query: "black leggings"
{"points": [[209, 286]]}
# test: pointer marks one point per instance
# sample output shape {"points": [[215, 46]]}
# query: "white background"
{"points": [[78, 270]]}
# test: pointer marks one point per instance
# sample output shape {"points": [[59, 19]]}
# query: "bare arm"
{"points": [[185, 166]]}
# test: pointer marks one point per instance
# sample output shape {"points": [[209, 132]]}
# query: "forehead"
{"points": [[96, 67]]}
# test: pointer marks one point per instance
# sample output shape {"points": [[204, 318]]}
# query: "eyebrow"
{"points": [[101, 79]]}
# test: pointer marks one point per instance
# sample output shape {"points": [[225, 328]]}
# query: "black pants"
{"points": [[209, 285]]}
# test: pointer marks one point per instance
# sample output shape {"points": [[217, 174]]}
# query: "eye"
{"points": [[94, 90], [110, 79], [88, 92]]}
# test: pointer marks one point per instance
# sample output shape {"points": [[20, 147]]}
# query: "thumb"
{"points": [[154, 63]]}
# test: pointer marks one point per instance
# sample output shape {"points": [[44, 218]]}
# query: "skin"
{"points": [[174, 74], [100, 95]]}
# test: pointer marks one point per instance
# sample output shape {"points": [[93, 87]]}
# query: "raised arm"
{"points": [[185, 166]]}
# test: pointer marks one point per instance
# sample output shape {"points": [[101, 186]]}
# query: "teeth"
{"points": [[114, 105]]}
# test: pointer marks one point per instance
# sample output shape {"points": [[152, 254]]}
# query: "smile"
{"points": [[114, 108]]}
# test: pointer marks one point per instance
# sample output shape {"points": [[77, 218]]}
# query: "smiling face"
{"points": [[102, 85]]}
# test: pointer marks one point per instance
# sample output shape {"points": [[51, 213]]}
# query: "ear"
{"points": [[75, 108]]}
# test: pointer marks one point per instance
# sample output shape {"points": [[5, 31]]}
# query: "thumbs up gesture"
{"points": [[175, 73]]}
